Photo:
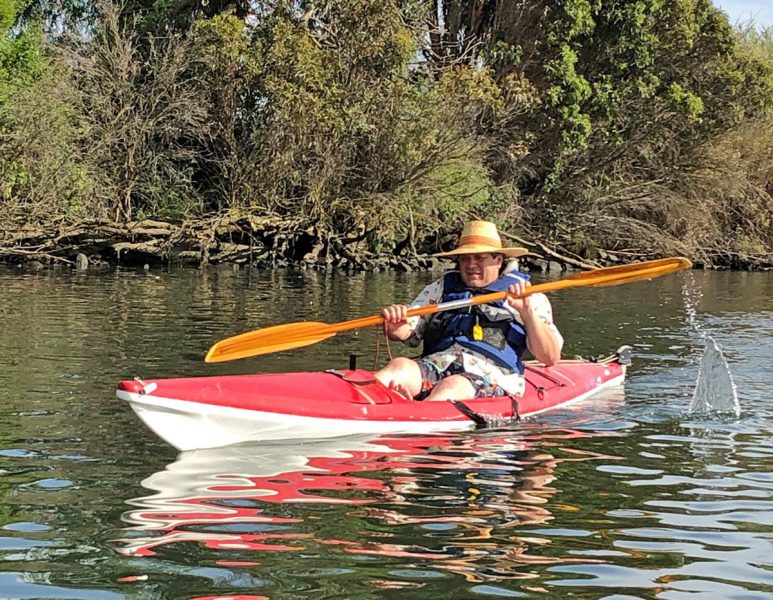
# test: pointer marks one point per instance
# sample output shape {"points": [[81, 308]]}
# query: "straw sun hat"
{"points": [[480, 237]]}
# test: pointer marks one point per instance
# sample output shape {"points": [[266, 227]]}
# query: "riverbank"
{"points": [[214, 137], [270, 242]]}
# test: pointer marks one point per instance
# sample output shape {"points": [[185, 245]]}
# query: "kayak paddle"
{"points": [[306, 333]]}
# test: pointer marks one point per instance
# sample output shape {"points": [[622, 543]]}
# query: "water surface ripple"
{"points": [[629, 495]]}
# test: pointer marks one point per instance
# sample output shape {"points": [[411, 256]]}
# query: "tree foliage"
{"points": [[596, 124]]}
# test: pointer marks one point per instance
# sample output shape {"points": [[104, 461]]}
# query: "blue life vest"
{"points": [[504, 338]]}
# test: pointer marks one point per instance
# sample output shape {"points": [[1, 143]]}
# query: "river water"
{"points": [[628, 495]]}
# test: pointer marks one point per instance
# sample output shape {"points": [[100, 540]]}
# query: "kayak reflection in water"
{"points": [[473, 351]]}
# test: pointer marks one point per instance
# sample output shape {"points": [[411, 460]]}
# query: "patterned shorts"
{"points": [[431, 376]]}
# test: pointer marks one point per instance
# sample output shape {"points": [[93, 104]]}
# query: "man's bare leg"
{"points": [[403, 375], [454, 387]]}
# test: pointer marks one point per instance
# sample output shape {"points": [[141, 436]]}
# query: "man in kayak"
{"points": [[474, 351]]}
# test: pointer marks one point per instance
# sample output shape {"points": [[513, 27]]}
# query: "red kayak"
{"points": [[206, 412]]}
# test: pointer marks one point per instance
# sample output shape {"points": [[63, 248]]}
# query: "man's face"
{"points": [[480, 270]]}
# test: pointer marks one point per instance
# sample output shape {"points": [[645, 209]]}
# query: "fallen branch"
{"points": [[34, 254], [575, 262]]}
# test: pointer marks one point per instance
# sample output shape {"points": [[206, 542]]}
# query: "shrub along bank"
{"points": [[362, 133]]}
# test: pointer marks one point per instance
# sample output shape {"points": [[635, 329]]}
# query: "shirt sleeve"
{"points": [[541, 306]]}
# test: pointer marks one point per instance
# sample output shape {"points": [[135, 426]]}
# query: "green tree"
{"points": [[335, 125], [626, 91], [39, 167]]}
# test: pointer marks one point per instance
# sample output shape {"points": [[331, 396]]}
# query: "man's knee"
{"points": [[401, 373], [454, 387], [399, 366], [402, 362]]}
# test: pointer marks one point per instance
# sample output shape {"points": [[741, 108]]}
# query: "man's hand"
{"points": [[396, 321], [522, 305]]}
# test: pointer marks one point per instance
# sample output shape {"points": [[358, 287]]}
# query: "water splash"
{"points": [[715, 390], [692, 294]]}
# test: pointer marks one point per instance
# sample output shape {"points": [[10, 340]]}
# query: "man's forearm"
{"points": [[401, 333], [540, 338]]}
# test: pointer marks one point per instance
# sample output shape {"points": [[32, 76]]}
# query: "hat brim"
{"points": [[481, 249]]}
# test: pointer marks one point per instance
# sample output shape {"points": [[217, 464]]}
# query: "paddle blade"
{"points": [[268, 340]]}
